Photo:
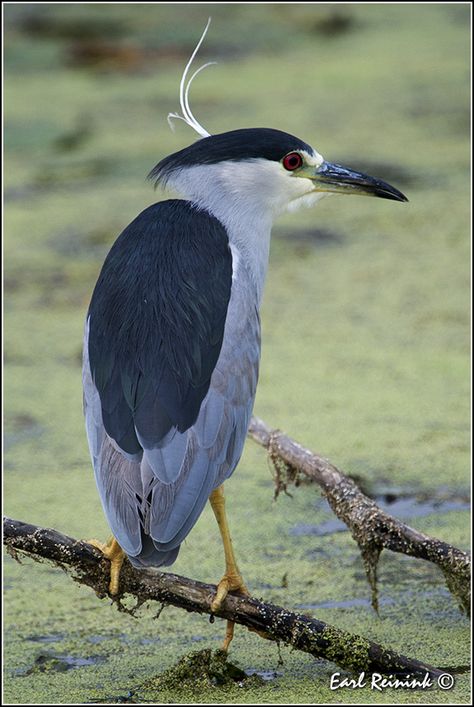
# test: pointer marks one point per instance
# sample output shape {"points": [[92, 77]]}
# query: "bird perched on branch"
{"points": [[172, 337]]}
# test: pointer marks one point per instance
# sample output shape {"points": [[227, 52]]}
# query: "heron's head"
{"points": [[253, 174], [261, 168]]}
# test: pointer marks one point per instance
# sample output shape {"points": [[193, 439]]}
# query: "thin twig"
{"points": [[371, 527]]}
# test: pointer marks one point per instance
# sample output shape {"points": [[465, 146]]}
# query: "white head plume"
{"points": [[184, 87]]}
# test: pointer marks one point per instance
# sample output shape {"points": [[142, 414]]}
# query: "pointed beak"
{"points": [[341, 180]]}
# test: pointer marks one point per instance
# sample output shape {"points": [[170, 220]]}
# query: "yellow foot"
{"points": [[116, 555], [229, 583]]}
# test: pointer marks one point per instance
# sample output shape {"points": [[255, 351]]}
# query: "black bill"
{"points": [[335, 178]]}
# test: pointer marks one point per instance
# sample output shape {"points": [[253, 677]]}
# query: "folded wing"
{"points": [[171, 357]]}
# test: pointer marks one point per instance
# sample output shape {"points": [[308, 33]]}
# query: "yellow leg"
{"points": [[113, 552], [232, 580]]}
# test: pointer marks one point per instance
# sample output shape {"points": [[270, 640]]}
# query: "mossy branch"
{"points": [[371, 527], [88, 566]]}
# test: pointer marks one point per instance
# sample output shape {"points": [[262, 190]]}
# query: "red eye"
{"points": [[292, 161]]}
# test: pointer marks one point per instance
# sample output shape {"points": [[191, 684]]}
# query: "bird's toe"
{"points": [[113, 552]]}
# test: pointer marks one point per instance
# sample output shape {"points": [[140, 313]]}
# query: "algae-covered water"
{"points": [[365, 328]]}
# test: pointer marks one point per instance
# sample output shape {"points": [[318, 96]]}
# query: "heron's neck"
{"points": [[241, 208], [249, 234]]}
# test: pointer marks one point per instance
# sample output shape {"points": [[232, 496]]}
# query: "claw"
{"points": [[222, 591], [228, 583], [113, 552], [231, 583]]}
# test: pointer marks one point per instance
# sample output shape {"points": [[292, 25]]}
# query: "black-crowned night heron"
{"points": [[172, 341]]}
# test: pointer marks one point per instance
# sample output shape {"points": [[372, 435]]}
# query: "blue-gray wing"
{"points": [[161, 440]]}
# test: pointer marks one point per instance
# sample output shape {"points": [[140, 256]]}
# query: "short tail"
{"points": [[151, 557]]}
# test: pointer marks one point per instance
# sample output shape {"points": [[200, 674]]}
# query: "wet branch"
{"points": [[371, 527], [87, 566]]}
